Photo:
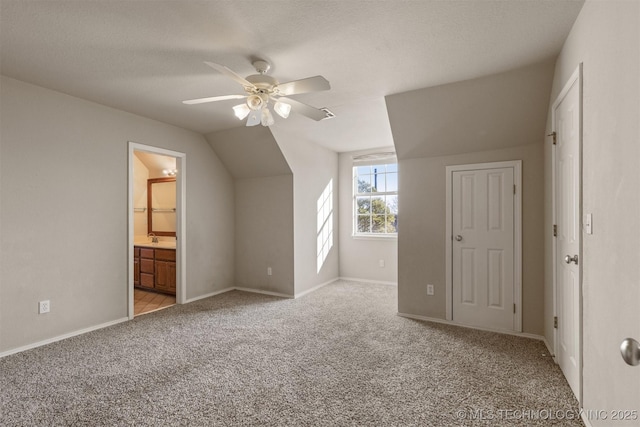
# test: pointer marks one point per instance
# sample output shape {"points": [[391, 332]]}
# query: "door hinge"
{"points": [[555, 322], [514, 189], [555, 230], [553, 134], [514, 308]]}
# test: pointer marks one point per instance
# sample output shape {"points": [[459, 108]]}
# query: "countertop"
{"points": [[160, 245]]}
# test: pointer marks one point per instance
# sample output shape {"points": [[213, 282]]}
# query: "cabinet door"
{"points": [[171, 278], [166, 276], [136, 271]]}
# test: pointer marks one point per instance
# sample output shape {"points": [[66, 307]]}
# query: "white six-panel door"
{"points": [[567, 211], [483, 240]]}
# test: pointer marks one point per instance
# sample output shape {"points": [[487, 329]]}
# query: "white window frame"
{"points": [[384, 159]]}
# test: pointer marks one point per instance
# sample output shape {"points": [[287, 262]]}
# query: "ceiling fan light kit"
{"points": [[261, 90], [267, 117], [256, 102], [241, 111], [282, 109]]}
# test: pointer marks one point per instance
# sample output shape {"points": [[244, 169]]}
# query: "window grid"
{"points": [[375, 191]]}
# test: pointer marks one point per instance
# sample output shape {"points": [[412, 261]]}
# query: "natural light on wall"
{"points": [[325, 224]]}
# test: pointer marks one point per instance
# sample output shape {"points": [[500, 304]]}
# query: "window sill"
{"points": [[374, 237]]}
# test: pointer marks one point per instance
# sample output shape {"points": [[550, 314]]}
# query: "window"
{"points": [[375, 194]]}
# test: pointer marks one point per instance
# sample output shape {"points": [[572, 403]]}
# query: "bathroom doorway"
{"points": [[156, 229]]}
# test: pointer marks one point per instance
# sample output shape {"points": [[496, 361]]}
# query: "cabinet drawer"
{"points": [[146, 266], [146, 253], [166, 254]]}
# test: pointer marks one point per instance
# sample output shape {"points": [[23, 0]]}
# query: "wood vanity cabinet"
{"points": [[165, 270], [136, 266], [157, 269]]}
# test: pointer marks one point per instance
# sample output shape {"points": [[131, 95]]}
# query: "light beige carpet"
{"points": [[337, 357]]}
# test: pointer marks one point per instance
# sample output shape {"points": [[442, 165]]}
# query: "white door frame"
{"points": [[575, 77], [181, 186], [517, 236]]}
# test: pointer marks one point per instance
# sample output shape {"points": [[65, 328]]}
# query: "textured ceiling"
{"points": [[145, 57]]}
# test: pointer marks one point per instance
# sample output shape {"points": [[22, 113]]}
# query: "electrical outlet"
{"points": [[269, 271], [381, 263], [44, 307], [429, 289]]}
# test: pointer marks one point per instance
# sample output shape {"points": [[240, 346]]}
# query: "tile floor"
{"points": [[146, 302]]}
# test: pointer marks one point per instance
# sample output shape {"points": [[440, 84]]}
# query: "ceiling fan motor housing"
{"points": [[261, 66], [264, 83]]}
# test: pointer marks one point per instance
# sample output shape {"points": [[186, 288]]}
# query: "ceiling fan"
{"points": [[263, 92]]}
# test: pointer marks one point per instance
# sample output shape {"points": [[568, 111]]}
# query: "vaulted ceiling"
{"points": [[145, 57]]}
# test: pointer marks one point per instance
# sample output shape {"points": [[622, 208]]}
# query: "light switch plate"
{"points": [[588, 223]]}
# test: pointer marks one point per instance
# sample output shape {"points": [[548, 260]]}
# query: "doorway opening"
{"points": [[155, 229], [145, 302], [484, 245]]}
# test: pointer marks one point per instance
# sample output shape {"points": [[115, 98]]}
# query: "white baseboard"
{"points": [[449, 322], [258, 291], [208, 295], [237, 288], [62, 337], [211, 294], [549, 349], [377, 282], [315, 288]]}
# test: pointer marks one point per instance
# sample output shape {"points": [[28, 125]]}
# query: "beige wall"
{"points": [[66, 158], [359, 257], [140, 177], [287, 174], [313, 167], [264, 233], [264, 223], [488, 119], [249, 152], [606, 39], [422, 239], [488, 113]]}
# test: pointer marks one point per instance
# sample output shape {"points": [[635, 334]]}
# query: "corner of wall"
{"points": [[314, 167]]}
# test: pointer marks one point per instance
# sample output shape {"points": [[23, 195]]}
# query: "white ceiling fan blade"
{"points": [[224, 70], [213, 99], [307, 110], [310, 84]]}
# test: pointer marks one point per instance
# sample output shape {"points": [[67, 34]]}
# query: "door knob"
{"points": [[568, 259], [459, 238], [630, 350]]}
